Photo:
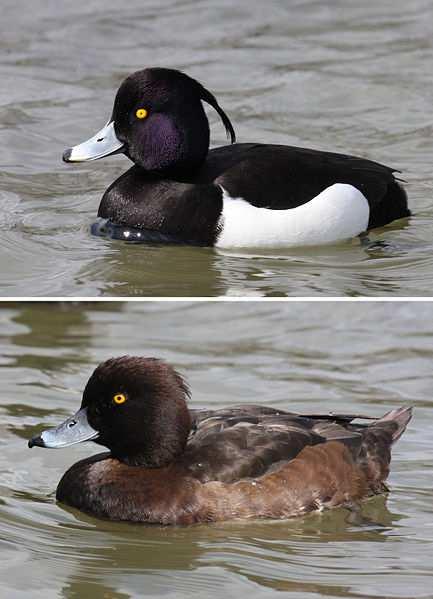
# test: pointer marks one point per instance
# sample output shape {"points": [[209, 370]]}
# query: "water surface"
{"points": [[344, 76], [365, 358]]}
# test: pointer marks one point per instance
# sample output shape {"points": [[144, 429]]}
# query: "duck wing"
{"points": [[248, 441], [281, 177]]}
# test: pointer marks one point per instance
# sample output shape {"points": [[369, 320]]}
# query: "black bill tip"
{"points": [[67, 155], [36, 442]]}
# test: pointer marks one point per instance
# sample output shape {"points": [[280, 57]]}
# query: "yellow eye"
{"points": [[119, 398], [141, 113]]}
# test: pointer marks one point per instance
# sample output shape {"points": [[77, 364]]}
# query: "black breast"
{"points": [[186, 212]]}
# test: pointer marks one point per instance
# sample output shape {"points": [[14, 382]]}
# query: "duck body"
{"points": [[171, 465], [259, 195], [241, 467], [232, 196]]}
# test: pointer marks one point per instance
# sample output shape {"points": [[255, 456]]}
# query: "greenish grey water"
{"points": [[347, 76], [363, 357]]}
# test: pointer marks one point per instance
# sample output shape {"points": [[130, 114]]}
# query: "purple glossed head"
{"points": [[155, 144], [158, 121], [174, 133]]}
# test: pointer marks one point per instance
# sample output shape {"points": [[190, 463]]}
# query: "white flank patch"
{"points": [[339, 212]]}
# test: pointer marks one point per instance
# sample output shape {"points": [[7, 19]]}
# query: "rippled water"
{"points": [[347, 76], [364, 357]]}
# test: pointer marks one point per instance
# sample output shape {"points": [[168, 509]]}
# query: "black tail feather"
{"points": [[391, 207]]}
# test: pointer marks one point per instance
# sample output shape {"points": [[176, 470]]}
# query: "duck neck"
{"points": [[159, 443], [138, 457]]}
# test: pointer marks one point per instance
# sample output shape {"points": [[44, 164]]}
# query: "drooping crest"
{"points": [[210, 99]]}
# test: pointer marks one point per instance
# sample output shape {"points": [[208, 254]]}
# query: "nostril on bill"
{"points": [[72, 423], [100, 139]]}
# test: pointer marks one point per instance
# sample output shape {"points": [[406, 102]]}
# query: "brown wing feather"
{"points": [[228, 451], [248, 441]]}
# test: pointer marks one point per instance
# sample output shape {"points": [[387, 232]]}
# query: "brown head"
{"points": [[134, 406]]}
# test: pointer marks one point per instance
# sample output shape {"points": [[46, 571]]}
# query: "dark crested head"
{"points": [[134, 406], [159, 117], [158, 121]]}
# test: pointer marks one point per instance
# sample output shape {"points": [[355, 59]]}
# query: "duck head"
{"points": [[134, 406], [158, 121]]}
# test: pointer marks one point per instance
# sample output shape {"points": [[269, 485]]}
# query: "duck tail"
{"points": [[392, 206], [378, 439], [400, 417]]}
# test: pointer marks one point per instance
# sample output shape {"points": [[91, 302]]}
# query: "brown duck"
{"points": [[172, 465]]}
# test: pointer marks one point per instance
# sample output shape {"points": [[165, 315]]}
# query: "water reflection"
{"points": [[356, 267], [99, 557]]}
